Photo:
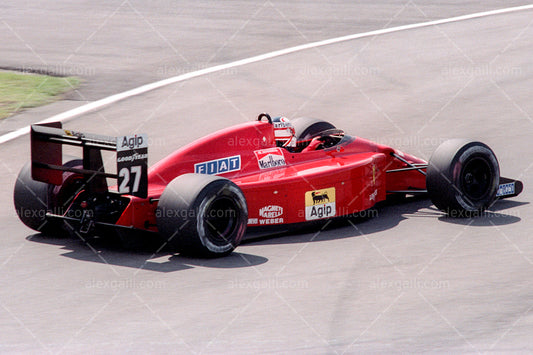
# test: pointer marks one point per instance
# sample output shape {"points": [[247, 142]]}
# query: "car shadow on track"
{"points": [[385, 217], [109, 252], [388, 216], [491, 217]]}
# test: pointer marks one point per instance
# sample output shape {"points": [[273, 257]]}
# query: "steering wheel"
{"points": [[329, 138]]}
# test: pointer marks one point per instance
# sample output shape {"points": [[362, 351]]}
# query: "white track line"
{"points": [[158, 84]]}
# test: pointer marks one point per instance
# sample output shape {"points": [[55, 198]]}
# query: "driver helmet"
{"points": [[284, 132]]}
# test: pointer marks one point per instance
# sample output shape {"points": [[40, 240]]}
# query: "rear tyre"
{"points": [[306, 128], [202, 215], [33, 199], [462, 177]]}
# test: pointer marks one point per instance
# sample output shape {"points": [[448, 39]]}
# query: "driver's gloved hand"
{"points": [[315, 142]]}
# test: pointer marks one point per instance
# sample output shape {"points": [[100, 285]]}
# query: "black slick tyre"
{"points": [[33, 199], [463, 177], [202, 215]]}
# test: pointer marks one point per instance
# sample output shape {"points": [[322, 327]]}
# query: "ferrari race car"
{"points": [[264, 175]]}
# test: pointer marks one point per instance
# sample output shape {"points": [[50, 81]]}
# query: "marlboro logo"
{"points": [[270, 158]]}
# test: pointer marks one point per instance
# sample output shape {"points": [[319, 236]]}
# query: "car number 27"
{"points": [[127, 184]]}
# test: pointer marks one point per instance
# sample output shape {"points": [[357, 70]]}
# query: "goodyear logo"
{"points": [[320, 204], [219, 166]]}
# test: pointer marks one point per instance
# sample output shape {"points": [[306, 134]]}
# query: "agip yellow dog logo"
{"points": [[320, 204]]}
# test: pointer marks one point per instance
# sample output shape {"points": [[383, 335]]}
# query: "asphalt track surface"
{"points": [[408, 279]]}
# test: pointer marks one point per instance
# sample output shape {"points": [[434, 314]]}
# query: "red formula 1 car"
{"points": [[263, 175]]}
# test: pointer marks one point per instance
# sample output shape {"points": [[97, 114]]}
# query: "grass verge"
{"points": [[19, 91]]}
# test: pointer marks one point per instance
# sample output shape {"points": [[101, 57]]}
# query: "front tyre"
{"points": [[462, 177], [202, 215]]}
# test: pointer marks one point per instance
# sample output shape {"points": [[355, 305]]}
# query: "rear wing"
{"points": [[47, 142]]}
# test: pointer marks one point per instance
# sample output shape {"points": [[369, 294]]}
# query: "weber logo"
{"points": [[219, 166], [320, 204], [271, 211], [132, 142], [270, 158], [271, 214]]}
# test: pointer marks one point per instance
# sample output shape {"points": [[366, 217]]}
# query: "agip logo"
{"points": [[137, 141], [320, 204]]}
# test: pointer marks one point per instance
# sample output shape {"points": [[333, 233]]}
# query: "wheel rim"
{"points": [[476, 178], [221, 220]]}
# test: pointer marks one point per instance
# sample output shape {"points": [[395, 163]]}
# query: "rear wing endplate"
{"points": [[47, 141]]}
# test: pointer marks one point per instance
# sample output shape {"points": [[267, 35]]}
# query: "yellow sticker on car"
{"points": [[320, 204]]}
